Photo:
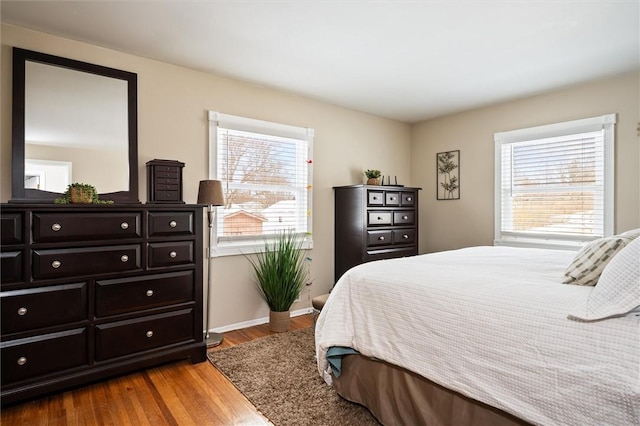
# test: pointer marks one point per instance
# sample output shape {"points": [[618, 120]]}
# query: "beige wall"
{"points": [[469, 221], [172, 106]]}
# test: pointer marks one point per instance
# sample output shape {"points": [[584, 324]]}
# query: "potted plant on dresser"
{"points": [[373, 176], [281, 273]]}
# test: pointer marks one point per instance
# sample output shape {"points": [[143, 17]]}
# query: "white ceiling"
{"points": [[406, 60]]}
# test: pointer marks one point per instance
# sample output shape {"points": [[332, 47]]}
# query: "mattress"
{"points": [[491, 324]]}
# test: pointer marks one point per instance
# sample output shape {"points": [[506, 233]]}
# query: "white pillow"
{"points": [[618, 290], [632, 234], [590, 261]]}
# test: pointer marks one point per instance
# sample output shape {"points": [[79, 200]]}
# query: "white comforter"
{"points": [[491, 323]]}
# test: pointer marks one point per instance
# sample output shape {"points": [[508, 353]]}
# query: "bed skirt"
{"points": [[396, 396]]}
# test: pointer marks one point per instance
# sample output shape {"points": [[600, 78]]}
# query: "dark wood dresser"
{"points": [[89, 292], [373, 223]]}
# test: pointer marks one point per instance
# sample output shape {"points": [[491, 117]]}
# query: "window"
{"points": [[554, 183], [266, 174]]}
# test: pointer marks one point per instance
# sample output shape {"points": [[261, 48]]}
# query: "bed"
{"points": [[485, 336]]}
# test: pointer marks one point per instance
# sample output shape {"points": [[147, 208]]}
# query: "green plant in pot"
{"points": [[373, 176], [81, 193], [281, 273]]}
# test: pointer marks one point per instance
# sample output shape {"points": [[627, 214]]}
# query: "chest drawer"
{"points": [[43, 307], [26, 358], [11, 270], [127, 337], [57, 263], [407, 199], [377, 238], [404, 236], [170, 254], [170, 223], [375, 198], [137, 293], [379, 218], [54, 227], [167, 195], [170, 172], [392, 198], [403, 218], [11, 228]]}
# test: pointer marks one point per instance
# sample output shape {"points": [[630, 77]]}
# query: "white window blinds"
{"points": [[554, 183], [266, 172]]}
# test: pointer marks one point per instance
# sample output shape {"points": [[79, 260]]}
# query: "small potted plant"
{"points": [[81, 193], [373, 176], [281, 274]]}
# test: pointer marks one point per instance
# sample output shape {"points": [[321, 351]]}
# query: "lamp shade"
{"points": [[210, 192]]}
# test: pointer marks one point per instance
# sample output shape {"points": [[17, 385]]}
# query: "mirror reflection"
{"points": [[76, 129]]}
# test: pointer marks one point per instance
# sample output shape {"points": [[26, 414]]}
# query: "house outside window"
{"points": [[554, 184], [266, 174]]}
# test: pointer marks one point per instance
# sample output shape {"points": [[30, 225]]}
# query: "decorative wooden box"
{"points": [[164, 181]]}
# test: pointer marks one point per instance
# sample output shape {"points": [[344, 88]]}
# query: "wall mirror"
{"points": [[72, 122]]}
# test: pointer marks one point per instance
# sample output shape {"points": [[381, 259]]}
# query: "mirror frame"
{"points": [[20, 57]]}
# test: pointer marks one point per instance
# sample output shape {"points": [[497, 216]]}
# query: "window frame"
{"points": [[244, 245], [606, 123]]}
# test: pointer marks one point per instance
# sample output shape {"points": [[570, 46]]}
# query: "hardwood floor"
{"points": [[178, 393]]}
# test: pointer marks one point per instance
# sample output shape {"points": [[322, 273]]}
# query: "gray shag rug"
{"points": [[278, 374]]}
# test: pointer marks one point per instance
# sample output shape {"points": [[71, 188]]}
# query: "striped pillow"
{"points": [[589, 262]]}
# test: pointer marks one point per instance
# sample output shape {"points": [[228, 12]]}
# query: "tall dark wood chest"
{"points": [[164, 181], [373, 223], [89, 292]]}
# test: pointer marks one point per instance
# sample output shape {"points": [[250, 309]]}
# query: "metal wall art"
{"points": [[448, 175]]}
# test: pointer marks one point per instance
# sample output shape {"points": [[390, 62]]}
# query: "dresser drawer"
{"points": [[137, 293], [26, 358], [404, 217], [11, 270], [127, 337], [170, 254], [170, 223], [404, 236], [54, 227], [379, 218], [56, 263], [392, 198], [376, 238], [375, 198], [11, 228], [30, 309], [407, 199]]}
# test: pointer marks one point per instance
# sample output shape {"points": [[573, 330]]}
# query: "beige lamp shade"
{"points": [[210, 192]]}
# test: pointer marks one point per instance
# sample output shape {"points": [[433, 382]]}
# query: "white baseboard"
{"points": [[257, 321]]}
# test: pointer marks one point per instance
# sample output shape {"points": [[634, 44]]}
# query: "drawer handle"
{"points": [[149, 333], [379, 218], [124, 225], [56, 264], [173, 224], [56, 227], [22, 360], [409, 198], [381, 237], [173, 254], [149, 293], [392, 198], [375, 198], [405, 217], [405, 236], [22, 311], [124, 258]]}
